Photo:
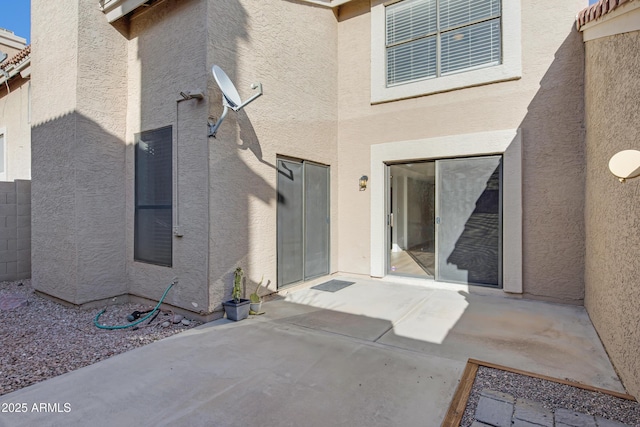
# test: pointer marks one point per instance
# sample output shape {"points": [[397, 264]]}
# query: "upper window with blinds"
{"points": [[434, 38]]}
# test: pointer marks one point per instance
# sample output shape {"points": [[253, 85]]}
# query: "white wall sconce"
{"points": [[625, 164], [363, 182]]}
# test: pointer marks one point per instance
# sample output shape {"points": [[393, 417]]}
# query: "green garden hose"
{"points": [[142, 319]]}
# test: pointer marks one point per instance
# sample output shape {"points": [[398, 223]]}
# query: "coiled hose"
{"points": [[137, 322]]}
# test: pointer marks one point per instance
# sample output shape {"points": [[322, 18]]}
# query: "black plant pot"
{"points": [[236, 310]]}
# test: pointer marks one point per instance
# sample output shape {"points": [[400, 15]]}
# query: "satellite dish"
{"points": [[226, 86], [625, 164], [230, 96]]}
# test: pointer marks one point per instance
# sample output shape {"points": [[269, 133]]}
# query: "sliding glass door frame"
{"points": [[392, 220], [296, 220]]}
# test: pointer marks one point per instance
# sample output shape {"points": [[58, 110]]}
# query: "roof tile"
{"points": [[17, 58], [597, 10]]}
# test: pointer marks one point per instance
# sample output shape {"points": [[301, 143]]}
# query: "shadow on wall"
{"points": [[553, 178], [553, 174], [476, 251], [215, 182], [78, 209]]}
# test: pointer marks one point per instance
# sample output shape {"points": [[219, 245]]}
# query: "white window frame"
{"points": [[3, 136], [510, 69], [508, 143]]}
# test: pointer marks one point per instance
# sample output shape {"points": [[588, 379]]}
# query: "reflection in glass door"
{"points": [[445, 220]]}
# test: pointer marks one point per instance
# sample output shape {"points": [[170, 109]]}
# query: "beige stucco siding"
{"points": [[290, 48], [77, 152], [166, 55], [546, 104], [612, 294]]}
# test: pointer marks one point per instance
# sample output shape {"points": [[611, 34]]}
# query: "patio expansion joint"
{"points": [[406, 314], [366, 342]]}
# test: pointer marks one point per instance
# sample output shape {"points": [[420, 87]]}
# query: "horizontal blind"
{"points": [[412, 61], [468, 37], [454, 13], [472, 46], [410, 19]]}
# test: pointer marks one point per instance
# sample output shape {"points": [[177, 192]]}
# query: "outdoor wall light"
{"points": [[363, 182], [625, 164]]}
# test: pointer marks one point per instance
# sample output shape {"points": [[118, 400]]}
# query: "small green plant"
{"points": [[236, 294], [254, 297]]}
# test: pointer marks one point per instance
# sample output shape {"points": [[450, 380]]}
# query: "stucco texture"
{"points": [[167, 55], [77, 153], [612, 294], [291, 48], [546, 103]]}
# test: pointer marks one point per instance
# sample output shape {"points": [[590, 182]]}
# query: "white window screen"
{"points": [[430, 38]]}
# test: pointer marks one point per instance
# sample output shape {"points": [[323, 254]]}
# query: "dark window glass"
{"points": [[153, 197]]}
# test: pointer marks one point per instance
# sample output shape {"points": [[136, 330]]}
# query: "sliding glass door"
{"points": [[445, 220], [303, 221]]}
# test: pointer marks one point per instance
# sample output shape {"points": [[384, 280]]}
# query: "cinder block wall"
{"points": [[15, 230]]}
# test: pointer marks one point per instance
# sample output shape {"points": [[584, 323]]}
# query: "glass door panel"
{"points": [[411, 219], [303, 221], [316, 216], [469, 218], [290, 222]]}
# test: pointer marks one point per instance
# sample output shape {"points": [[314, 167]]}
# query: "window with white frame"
{"points": [[431, 38], [428, 46]]}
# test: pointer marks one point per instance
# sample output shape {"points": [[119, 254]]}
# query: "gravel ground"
{"points": [[551, 395], [45, 339]]}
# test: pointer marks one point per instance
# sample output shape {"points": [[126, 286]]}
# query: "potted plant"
{"points": [[255, 300], [237, 308]]}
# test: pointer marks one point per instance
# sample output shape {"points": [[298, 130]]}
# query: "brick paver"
{"points": [[497, 409]]}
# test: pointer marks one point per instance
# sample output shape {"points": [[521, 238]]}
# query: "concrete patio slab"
{"points": [[372, 354], [545, 338], [249, 373]]}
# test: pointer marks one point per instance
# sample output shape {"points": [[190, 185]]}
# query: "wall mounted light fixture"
{"points": [[625, 164], [363, 182]]}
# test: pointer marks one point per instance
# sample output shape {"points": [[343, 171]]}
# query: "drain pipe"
{"points": [[186, 96]]}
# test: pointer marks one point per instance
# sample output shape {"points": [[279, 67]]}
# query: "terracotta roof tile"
{"points": [[597, 10], [17, 58]]}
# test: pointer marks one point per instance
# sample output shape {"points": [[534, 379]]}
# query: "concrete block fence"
{"points": [[15, 230]]}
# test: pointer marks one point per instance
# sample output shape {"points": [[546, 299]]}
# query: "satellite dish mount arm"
{"points": [[227, 103], [250, 100]]}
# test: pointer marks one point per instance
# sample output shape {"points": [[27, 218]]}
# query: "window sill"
{"points": [[482, 76], [510, 69]]}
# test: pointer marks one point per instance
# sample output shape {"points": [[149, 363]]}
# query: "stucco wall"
{"points": [[291, 48], [15, 125], [612, 229], [126, 78], [77, 152], [166, 56], [546, 104]]}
